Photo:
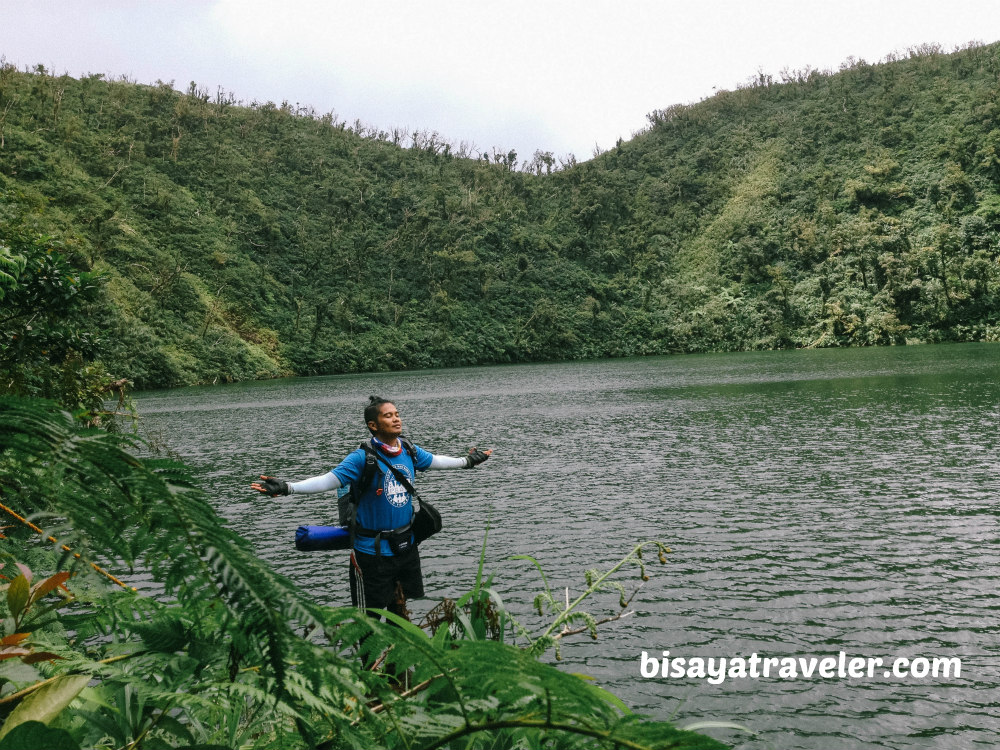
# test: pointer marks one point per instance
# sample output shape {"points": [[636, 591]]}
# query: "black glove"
{"points": [[475, 458], [271, 486]]}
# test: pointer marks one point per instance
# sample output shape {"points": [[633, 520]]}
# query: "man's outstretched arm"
{"points": [[274, 487], [474, 458]]}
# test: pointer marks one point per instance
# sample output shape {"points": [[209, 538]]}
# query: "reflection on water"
{"points": [[815, 501]]}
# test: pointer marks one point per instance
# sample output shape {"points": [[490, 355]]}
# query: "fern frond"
{"points": [[498, 690], [123, 510]]}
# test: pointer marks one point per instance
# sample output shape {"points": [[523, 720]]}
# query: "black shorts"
{"points": [[374, 578]]}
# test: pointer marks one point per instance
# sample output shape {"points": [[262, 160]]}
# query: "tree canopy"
{"points": [[236, 241]]}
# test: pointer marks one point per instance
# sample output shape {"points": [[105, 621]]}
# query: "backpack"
{"points": [[426, 520]]}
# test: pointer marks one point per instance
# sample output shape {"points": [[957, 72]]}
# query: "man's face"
{"points": [[387, 424]]}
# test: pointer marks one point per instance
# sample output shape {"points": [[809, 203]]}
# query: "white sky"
{"points": [[553, 75]]}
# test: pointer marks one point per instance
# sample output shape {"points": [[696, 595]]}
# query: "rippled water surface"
{"points": [[814, 501]]}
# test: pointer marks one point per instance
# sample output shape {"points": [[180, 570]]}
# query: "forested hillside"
{"points": [[218, 241]]}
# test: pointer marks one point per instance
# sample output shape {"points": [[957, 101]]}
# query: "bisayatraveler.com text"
{"points": [[715, 670]]}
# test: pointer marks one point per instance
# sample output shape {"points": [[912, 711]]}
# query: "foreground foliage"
{"points": [[243, 241], [223, 651]]}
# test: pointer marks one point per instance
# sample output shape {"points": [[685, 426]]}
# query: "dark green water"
{"points": [[815, 502]]}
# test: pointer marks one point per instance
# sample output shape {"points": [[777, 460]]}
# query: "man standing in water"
{"points": [[385, 553]]}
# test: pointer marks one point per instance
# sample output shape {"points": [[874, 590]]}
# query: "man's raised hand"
{"points": [[476, 457], [271, 486]]}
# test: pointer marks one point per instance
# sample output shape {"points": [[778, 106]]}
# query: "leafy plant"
{"points": [[480, 614], [48, 344], [22, 595], [44, 700], [566, 613]]}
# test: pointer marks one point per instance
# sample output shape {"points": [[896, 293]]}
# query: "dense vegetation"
{"points": [[230, 242]]}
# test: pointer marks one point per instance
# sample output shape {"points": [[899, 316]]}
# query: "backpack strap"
{"points": [[400, 476], [358, 488], [410, 448]]}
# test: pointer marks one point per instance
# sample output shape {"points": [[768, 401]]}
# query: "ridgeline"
{"points": [[222, 241]]}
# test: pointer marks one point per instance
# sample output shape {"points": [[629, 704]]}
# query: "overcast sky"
{"points": [[564, 76]]}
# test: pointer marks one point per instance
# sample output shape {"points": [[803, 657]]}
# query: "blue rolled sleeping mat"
{"points": [[312, 538]]}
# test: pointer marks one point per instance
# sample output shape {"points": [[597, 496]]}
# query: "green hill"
{"points": [[249, 241]]}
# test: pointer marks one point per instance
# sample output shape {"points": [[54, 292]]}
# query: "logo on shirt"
{"points": [[395, 492]]}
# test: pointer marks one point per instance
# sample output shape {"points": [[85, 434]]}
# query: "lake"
{"points": [[816, 503]]}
